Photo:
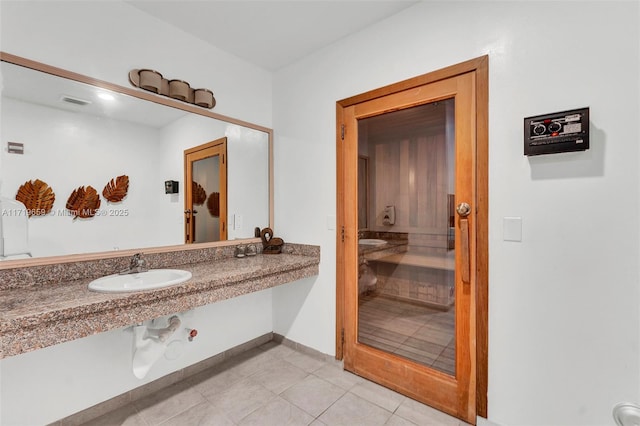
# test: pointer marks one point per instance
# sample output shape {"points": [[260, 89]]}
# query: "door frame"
{"points": [[480, 66]]}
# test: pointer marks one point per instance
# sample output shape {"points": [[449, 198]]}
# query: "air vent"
{"points": [[75, 101]]}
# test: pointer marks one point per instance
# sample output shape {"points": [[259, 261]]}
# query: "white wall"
{"points": [[564, 321], [105, 40]]}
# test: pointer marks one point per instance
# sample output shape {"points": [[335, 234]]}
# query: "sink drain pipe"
{"points": [[149, 344]]}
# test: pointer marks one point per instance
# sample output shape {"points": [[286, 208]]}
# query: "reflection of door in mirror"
{"points": [[206, 192]]}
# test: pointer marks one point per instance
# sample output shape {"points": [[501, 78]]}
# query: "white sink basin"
{"points": [[152, 279], [371, 242]]}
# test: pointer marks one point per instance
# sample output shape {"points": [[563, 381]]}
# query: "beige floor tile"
{"points": [[379, 395], [250, 362], [215, 380], [277, 412], [276, 350], [241, 399], [351, 410], [336, 375], [162, 405], [398, 421], [244, 390], [203, 414], [304, 361], [424, 415], [313, 395], [279, 376]]}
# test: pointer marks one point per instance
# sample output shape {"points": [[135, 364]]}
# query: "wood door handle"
{"points": [[463, 210]]}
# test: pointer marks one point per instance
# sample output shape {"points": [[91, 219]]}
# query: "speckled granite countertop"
{"points": [[36, 316]]}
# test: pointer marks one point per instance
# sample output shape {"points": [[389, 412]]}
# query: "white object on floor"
{"points": [[626, 414], [367, 280]]}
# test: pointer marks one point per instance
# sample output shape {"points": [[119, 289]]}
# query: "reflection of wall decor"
{"points": [[213, 204], [116, 189], [83, 203], [37, 197], [177, 89], [198, 193]]}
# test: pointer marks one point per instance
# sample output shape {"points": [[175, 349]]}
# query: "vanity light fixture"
{"points": [[154, 82]]}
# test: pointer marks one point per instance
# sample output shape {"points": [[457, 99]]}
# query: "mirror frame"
{"points": [[146, 96]]}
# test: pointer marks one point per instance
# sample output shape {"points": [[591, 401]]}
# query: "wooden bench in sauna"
{"points": [[417, 278]]}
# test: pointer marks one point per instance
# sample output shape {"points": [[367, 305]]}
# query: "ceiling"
{"points": [[271, 34]]}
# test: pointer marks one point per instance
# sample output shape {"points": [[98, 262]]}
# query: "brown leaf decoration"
{"points": [[38, 197], [83, 203], [116, 189], [213, 204], [198, 193]]}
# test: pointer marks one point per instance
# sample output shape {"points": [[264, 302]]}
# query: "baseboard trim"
{"points": [[278, 338]]}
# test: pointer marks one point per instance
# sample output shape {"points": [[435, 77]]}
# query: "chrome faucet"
{"points": [[138, 264]]}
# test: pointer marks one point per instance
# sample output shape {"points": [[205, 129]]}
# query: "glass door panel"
{"points": [[406, 250], [206, 192], [206, 199]]}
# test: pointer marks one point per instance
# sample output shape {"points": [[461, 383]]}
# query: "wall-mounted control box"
{"points": [[170, 187], [564, 131]]}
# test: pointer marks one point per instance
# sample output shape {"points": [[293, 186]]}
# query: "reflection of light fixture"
{"points": [[106, 96], [177, 89]]}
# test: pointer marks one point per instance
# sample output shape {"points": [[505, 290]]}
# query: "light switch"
{"points": [[512, 229]]}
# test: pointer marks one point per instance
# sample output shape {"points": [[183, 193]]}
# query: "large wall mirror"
{"points": [[72, 137]]}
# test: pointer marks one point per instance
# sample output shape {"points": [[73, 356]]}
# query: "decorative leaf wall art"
{"points": [[38, 197], [198, 193], [83, 202], [116, 189]]}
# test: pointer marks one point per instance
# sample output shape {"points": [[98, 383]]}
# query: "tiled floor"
{"points": [[416, 332], [275, 385]]}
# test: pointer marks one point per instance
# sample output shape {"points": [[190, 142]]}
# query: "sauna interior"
{"points": [[406, 233]]}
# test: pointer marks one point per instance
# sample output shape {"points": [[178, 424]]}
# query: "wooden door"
{"points": [[423, 240], [206, 192]]}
